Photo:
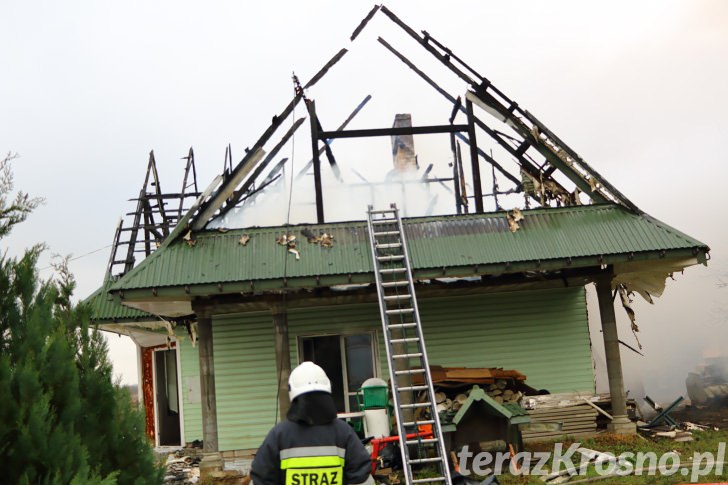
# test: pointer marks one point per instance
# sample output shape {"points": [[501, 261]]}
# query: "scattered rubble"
{"points": [[324, 240], [183, 467], [289, 240], [190, 238]]}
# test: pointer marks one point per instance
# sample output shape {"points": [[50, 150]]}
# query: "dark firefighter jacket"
{"points": [[298, 453]]}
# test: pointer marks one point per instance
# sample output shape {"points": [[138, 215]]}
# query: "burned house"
{"points": [[224, 304]]}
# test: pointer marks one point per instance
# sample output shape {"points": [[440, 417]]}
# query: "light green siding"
{"points": [[190, 373], [245, 379], [542, 333]]}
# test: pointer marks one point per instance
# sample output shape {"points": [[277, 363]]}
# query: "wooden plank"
{"points": [[600, 410]]}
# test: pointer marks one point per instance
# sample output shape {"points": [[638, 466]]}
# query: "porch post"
{"points": [[283, 356], [621, 423], [211, 460]]}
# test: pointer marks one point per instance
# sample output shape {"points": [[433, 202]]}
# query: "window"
{"points": [[348, 361]]}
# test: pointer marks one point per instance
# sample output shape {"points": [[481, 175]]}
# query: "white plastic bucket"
{"points": [[376, 423]]}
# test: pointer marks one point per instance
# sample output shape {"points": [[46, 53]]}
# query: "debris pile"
{"points": [[183, 467], [709, 382], [665, 425]]}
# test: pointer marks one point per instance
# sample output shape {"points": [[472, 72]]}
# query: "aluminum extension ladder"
{"points": [[414, 404]]}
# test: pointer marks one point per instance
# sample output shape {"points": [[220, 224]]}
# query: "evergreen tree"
{"points": [[62, 419]]}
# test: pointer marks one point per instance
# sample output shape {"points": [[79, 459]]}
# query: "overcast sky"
{"points": [[88, 88]]}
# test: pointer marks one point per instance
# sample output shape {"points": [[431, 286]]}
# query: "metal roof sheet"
{"points": [[475, 240], [104, 309]]}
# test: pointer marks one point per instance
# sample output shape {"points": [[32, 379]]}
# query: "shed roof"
{"points": [[576, 236]]}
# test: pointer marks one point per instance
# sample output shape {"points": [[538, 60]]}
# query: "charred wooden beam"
{"points": [[453, 100], [235, 197], [215, 202], [168, 196], [413, 130], [115, 246], [364, 22], [455, 175], [227, 189], [491, 161], [477, 186], [158, 190], [252, 194], [322, 72], [341, 127], [329, 153], [514, 115], [315, 136]]}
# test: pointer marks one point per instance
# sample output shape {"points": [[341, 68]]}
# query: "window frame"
{"points": [[373, 333]]}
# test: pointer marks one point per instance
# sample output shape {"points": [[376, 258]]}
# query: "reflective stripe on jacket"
{"points": [[298, 454]]}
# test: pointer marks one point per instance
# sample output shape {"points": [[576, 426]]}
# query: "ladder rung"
{"points": [[406, 296], [425, 480], [393, 257], [403, 325], [384, 221], [392, 270], [425, 460], [400, 311], [412, 388], [405, 340], [386, 233], [409, 371], [416, 405], [383, 211], [390, 284], [407, 356], [389, 245], [424, 441], [418, 423]]}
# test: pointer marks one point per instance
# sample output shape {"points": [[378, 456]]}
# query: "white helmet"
{"points": [[307, 377]]}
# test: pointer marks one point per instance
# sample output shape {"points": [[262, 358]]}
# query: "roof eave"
{"points": [[696, 255]]}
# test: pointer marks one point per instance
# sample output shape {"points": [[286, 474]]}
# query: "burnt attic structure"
{"points": [[271, 264]]}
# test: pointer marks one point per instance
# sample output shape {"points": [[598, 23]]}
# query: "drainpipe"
{"points": [[620, 423]]}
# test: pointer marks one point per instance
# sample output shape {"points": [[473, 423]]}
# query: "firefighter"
{"points": [[312, 447]]}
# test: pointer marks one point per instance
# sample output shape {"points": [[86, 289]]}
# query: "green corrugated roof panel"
{"points": [[104, 309], [434, 243]]}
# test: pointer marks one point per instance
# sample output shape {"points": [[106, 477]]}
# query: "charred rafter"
{"points": [[152, 220], [556, 152]]}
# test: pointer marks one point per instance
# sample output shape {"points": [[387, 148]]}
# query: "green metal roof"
{"points": [[445, 246], [105, 310]]}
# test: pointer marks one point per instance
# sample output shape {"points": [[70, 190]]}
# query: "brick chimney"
{"points": [[403, 146]]}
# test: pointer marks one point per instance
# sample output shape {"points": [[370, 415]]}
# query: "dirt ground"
{"points": [[713, 413]]}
